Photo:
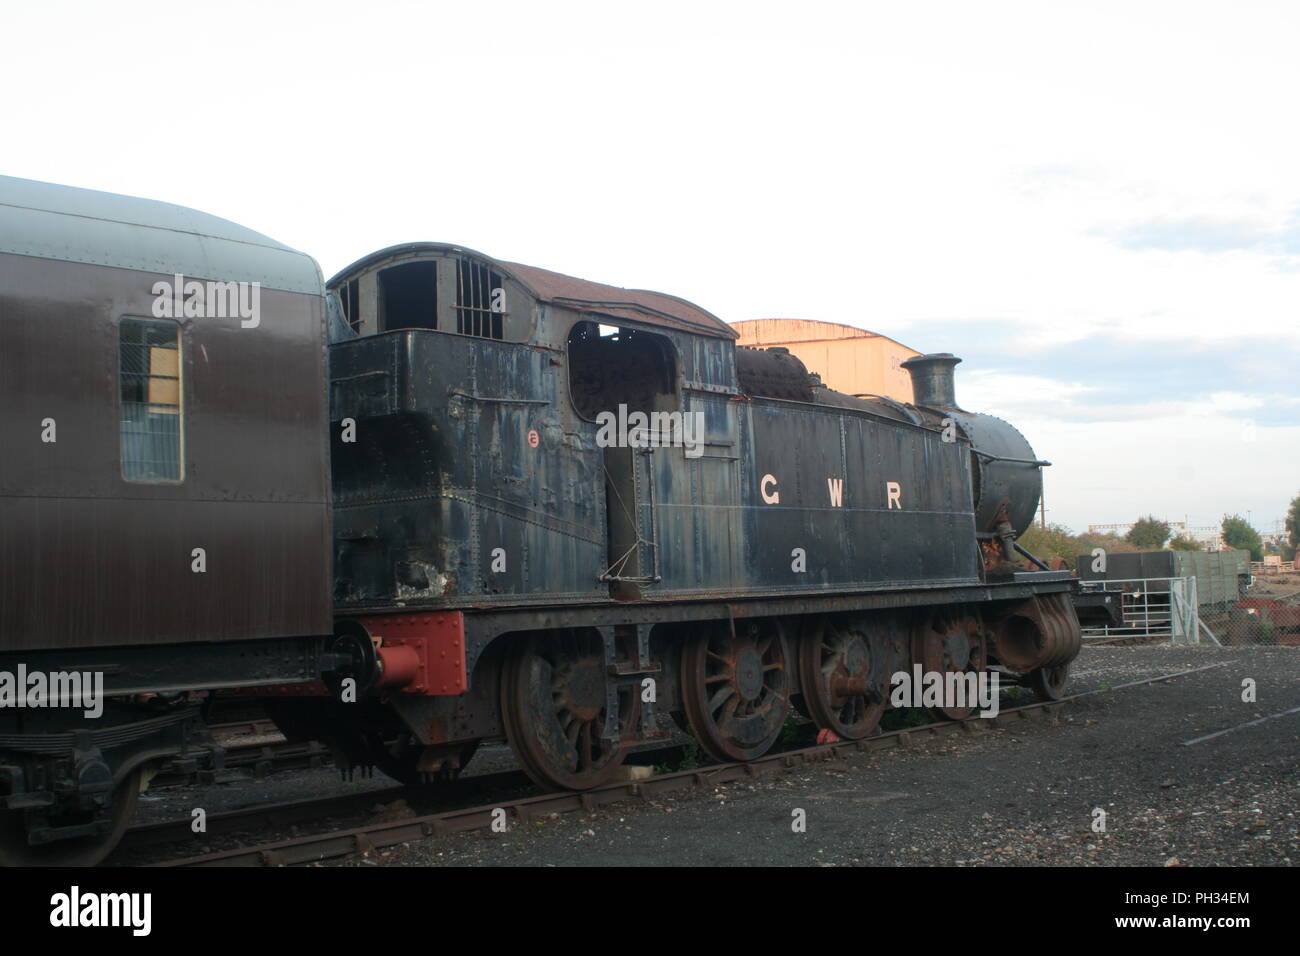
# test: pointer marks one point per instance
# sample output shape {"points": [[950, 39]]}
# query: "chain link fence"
{"points": [[1269, 613]]}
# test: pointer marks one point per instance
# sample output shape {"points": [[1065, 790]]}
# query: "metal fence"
{"points": [[1168, 609], [1281, 567], [1153, 609]]}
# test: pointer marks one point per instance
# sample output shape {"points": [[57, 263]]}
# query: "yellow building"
{"points": [[848, 360]]}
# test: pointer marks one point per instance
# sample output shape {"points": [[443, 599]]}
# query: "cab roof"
{"points": [[639, 305]]}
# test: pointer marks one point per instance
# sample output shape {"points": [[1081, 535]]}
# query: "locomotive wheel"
{"points": [[553, 704], [736, 689], [1049, 682], [950, 643], [78, 851], [843, 677]]}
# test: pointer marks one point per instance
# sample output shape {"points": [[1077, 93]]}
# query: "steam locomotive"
{"points": [[444, 499]]}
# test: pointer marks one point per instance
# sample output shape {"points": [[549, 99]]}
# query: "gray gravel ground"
{"points": [[1023, 794]]}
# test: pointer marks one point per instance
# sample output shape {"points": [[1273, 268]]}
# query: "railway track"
{"points": [[377, 835], [294, 812]]}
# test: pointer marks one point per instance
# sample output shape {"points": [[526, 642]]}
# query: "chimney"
{"points": [[932, 379]]}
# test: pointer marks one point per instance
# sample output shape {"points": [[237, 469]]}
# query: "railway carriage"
{"points": [[164, 492], [565, 514]]}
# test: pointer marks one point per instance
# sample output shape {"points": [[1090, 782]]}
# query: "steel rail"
{"points": [[314, 848], [291, 812]]}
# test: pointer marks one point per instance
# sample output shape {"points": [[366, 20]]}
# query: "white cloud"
{"points": [[1234, 401]]}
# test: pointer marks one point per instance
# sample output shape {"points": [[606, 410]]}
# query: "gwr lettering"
{"points": [[768, 485]]}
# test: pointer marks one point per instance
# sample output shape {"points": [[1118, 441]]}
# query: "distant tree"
{"points": [[1293, 523], [1240, 536], [1184, 543], [1109, 542], [1149, 533], [1054, 541]]}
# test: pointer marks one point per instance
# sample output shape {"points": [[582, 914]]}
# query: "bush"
{"points": [[1056, 541]]}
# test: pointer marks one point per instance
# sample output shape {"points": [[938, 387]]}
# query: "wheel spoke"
{"points": [[837, 653], [584, 763], [729, 709], [562, 680]]}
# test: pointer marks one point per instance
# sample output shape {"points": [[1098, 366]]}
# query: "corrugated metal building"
{"points": [[849, 360]]}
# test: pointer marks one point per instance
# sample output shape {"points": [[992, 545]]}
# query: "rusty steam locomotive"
{"points": [[443, 499]]}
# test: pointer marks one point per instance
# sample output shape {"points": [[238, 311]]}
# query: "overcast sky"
{"points": [[1097, 205]]}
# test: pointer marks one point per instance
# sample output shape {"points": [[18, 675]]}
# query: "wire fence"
{"points": [[1169, 609]]}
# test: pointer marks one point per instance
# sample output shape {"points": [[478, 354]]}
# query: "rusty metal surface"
{"points": [[92, 560], [950, 640], [845, 665], [773, 373], [443, 473], [555, 703], [736, 687], [484, 626], [1043, 632]]}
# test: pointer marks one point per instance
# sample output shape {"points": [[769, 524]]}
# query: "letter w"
{"points": [[836, 488]]}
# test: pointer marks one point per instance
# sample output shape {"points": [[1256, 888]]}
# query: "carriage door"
{"points": [[625, 380]]}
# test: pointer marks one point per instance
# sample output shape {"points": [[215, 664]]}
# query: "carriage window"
{"points": [[149, 354], [408, 296], [480, 300]]}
